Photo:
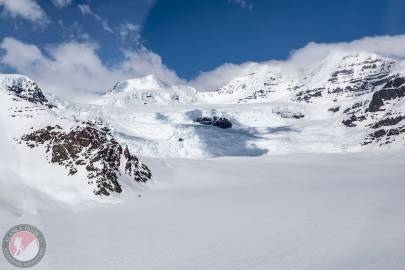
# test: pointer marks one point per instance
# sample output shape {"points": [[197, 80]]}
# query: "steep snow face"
{"points": [[148, 91]]}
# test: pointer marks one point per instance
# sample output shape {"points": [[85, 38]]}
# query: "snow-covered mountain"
{"points": [[348, 102], [341, 74], [362, 89], [148, 90], [328, 106], [50, 157]]}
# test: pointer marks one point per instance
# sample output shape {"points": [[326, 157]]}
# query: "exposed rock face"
{"points": [[334, 109], [387, 129], [307, 95], [350, 122], [381, 114], [288, 113], [135, 168], [91, 148], [394, 89], [220, 122]]}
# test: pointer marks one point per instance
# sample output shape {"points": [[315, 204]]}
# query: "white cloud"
{"points": [[26, 9], [211, 80], [62, 72], [144, 62], [86, 10], [61, 3], [386, 46], [242, 3], [73, 31], [130, 32], [21, 55], [59, 70], [127, 33]]}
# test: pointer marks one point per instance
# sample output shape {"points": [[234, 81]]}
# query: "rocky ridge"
{"points": [[91, 148]]}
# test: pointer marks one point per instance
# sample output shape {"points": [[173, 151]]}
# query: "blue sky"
{"points": [[178, 39], [199, 35]]}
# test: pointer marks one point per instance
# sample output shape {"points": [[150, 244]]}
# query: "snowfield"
{"points": [[297, 211], [275, 170]]}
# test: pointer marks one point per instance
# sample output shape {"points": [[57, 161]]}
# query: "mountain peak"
{"points": [[23, 87], [149, 82]]}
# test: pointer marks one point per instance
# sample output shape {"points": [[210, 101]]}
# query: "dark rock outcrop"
{"points": [[220, 122], [289, 114], [350, 122], [93, 149], [384, 135], [392, 90], [334, 109], [133, 167], [388, 121], [309, 94]]}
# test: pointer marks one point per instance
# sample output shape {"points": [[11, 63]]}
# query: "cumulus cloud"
{"points": [[61, 3], [86, 10], [26, 9], [242, 3], [59, 70], [312, 53]]}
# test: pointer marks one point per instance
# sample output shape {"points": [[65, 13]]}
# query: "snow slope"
{"points": [[288, 212]]}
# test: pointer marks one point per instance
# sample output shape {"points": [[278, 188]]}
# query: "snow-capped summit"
{"points": [[148, 90], [149, 82]]}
